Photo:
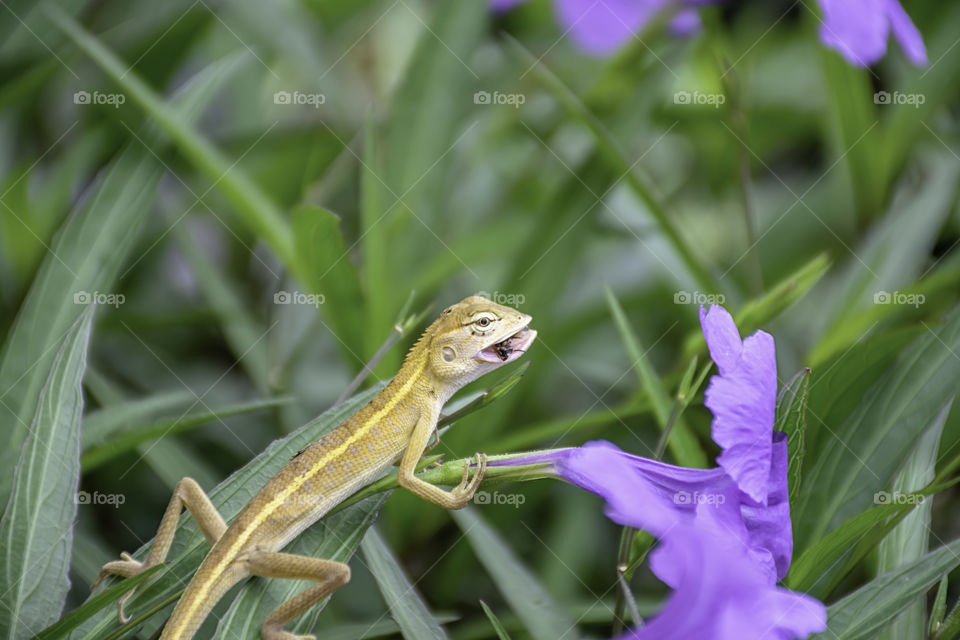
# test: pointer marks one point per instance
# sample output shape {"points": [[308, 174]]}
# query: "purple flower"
{"points": [[743, 399], [859, 30], [600, 27], [725, 533]]}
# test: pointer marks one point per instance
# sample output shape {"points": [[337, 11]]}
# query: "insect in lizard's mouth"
{"points": [[510, 348]]}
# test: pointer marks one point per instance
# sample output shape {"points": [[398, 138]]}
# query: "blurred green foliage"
{"points": [[257, 193]]}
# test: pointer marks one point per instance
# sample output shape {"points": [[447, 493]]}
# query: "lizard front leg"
{"points": [[187, 494], [274, 564], [461, 494]]}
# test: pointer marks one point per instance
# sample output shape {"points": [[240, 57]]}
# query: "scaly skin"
{"points": [[469, 339]]}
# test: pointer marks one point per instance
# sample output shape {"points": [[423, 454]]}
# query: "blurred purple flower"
{"points": [[859, 30], [600, 27], [725, 534]]}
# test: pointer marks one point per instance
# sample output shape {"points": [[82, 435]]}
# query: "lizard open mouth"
{"points": [[510, 348]]}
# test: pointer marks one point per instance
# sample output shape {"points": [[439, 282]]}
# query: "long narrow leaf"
{"points": [[36, 531], [406, 606]]}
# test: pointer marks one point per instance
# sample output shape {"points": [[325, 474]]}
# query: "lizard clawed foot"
{"points": [[128, 567], [468, 486]]}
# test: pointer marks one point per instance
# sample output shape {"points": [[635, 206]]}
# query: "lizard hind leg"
{"points": [[187, 494], [330, 574]]}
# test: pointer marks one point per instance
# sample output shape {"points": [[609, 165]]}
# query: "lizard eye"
{"points": [[483, 322]]}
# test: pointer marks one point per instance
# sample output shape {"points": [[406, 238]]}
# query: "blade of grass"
{"points": [[909, 540], [253, 206], [128, 439], [99, 424], [541, 615], [892, 415], [86, 257], [62, 627], [682, 444], [323, 254], [243, 332], [614, 157], [495, 621], [406, 606], [869, 609]]}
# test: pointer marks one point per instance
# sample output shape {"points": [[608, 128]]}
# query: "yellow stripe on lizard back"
{"points": [[239, 543]]}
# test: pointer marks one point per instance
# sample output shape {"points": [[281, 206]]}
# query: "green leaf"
{"points": [[425, 126], [325, 259], [761, 310], [230, 496], [870, 443], [939, 606], [130, 438], [250, 202], [682, 442], [823, 564], [610, 153], [99, 424], [542, 616], [842, 382], [406, 606], [243, 332], [62, 627], [36, 531], [86, 258], [791, 419], [869, 609], [495, 621], [908, 541], [892, 255], [857, 139], [336, 537]]}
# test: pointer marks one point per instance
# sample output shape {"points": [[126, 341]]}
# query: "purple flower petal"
{"points": [[655, 496], [859, 30], [600, 27], [743, 400], [721, 593], [906, 33]]}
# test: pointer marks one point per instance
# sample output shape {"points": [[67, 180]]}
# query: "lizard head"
{"points": [[474, 337]]}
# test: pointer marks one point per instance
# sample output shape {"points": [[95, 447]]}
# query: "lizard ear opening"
{"points": [[448, 354]]}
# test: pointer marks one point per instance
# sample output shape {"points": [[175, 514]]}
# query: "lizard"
{"points": [[469, 339]]}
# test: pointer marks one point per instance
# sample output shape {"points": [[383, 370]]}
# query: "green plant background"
{"points": [[605, 205]]}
